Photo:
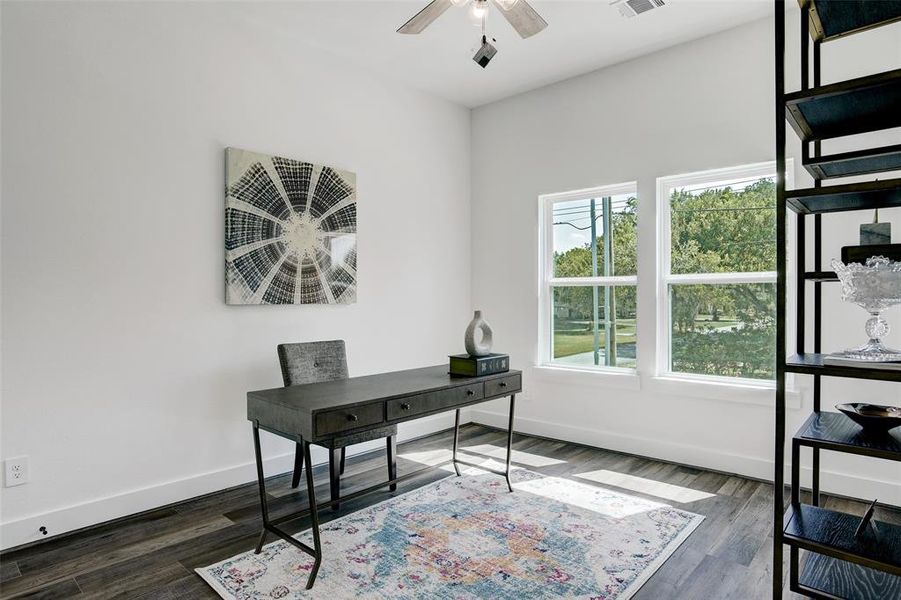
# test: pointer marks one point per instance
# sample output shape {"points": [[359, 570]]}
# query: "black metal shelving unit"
{"points": [[839, 561], [846, 196], [851, 107], [859, 162]]}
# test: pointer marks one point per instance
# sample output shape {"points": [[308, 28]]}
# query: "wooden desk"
{"points": [[321, 412]]}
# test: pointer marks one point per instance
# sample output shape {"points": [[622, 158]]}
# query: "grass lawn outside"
{"points": [[577, 338], [576, 341]]}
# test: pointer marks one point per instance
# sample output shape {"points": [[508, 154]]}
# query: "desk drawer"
{"points": [[503, 385], [444, 399], [346, 419]]}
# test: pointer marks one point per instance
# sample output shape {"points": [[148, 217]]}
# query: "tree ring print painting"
{"points": [[290, 231]]}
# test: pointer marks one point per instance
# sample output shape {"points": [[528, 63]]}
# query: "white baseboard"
{"points": [[65, 519], [844, 484]]}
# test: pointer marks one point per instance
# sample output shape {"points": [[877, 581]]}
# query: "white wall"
{"points": [[701, 105], [124, 372]]}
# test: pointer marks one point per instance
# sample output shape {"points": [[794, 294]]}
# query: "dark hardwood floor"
{"points": [[153, 555]]}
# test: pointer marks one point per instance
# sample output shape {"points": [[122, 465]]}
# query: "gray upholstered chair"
{"points": [[315, 362]]}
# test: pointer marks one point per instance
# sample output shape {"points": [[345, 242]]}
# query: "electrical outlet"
{"points": [[16, 471]]}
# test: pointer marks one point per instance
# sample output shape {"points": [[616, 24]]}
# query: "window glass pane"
{"points": [[574, 254], [726, 330], [580, 333], [724, 227]]}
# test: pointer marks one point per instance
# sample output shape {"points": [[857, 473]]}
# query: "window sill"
{"points": [[627, 379], [743, 392]]}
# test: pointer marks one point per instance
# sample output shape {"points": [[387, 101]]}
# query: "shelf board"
{"points": [[831, 533], [847, 196], [846, 108], [826, 577], [820, 276], [859, 162], [830, 20], [812, 364], [837, 432]]}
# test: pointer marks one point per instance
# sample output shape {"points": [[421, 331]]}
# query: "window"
{"points": [[589, 277], [718, 273]]}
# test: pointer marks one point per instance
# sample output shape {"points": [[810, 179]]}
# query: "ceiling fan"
{"points": [[518, 13]]}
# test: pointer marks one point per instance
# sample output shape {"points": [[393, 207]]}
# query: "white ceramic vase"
{"points": [[481, 347]]}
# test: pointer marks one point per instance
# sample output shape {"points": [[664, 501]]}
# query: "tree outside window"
{"points": [[719, 273]]}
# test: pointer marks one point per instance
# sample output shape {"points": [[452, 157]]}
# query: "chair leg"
{"points": [[334, 469], [343, 453], [298, 465], [391, 445]]}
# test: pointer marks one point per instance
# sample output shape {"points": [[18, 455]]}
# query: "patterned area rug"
{"points": [[468, 537]]}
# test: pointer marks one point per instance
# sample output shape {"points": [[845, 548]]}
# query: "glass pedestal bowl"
{"points": [[875, 286]]}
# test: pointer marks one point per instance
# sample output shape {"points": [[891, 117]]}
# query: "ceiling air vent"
{"points": [[632, 8]]}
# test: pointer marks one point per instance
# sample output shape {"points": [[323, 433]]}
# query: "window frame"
{"points": [[547, 282], [665, 278]]}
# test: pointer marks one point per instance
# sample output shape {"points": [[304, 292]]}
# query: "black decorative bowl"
{"points": [[872, 417]]}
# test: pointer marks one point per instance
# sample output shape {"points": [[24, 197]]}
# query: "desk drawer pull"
{"points": [[348, 419], [470, 393], [503, 386], [405, 406]]}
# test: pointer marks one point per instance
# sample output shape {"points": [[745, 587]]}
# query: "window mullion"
{"points": [[588, 281], [721, 278]]}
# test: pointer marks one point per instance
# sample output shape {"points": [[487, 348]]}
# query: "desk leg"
{"points": [[314, 516], [456, 440], [298, 465], [269, 526], [261, 481], [510, 442], [391, 451]]}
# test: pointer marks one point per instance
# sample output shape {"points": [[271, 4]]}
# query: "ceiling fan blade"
{"points": [[424, 18], [522, 17]]}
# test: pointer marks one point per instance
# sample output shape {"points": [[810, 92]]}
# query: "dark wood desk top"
{"points": [[292, 409]]}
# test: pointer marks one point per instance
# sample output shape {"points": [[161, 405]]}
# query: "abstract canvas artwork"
{"points": [[290, 231]]}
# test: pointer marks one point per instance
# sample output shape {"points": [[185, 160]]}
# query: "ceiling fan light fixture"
{"points": [[479, 9], [518, 13]]}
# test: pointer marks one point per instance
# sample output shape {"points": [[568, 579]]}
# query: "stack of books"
{"points": [[464, 365]]}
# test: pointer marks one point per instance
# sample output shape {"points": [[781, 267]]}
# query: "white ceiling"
{"points": [[581, 36]]}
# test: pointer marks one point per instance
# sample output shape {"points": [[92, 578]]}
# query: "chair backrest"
{"points": [[312, 362]]}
